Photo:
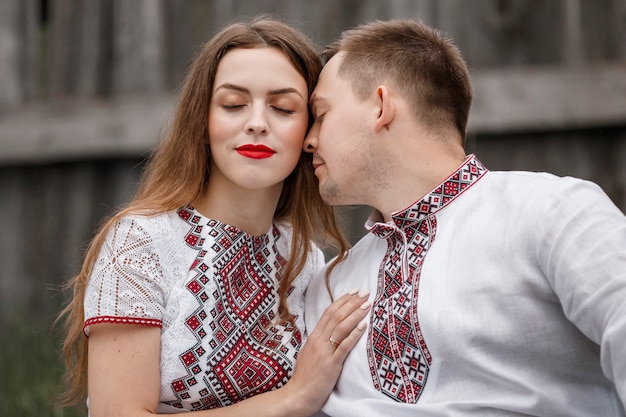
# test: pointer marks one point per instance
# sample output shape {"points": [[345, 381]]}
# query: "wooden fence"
{"points": [[87, 85]]}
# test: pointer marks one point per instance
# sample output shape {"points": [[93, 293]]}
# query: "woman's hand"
{"points": [[320, 361], [124, 377]]}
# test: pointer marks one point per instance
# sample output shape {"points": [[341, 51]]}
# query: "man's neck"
{"points": [[414, 179]]}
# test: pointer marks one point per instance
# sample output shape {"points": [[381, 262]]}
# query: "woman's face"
{"points": [[257, 119]]}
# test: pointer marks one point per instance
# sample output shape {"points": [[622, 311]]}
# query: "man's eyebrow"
{"points": [[277, 92], [315, 100]]}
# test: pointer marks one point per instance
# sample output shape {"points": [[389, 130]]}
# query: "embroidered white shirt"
{"points": [[497, 294], [212, 289]]}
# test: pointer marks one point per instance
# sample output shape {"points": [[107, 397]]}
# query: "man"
{"points": [[494, 293]]}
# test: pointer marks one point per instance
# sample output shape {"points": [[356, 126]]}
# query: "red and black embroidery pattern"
{"points": [[239, 351], [398, 355]]}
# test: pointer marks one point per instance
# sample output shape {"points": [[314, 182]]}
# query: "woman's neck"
{"points": [[249, 210]]}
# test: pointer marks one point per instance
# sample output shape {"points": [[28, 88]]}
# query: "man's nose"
{"points": [[310, 141]]}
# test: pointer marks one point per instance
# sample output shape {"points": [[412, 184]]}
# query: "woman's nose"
{"points": [[257, 122]]}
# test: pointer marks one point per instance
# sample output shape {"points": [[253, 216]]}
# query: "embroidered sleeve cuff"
{"points": [[141, 321]]}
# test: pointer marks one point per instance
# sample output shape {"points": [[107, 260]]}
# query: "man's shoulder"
{"points": [[538, 182], [542, 192], [533, 177], [364, 249]]}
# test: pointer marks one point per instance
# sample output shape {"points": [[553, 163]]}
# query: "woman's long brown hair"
{"points": [[178, 171]]}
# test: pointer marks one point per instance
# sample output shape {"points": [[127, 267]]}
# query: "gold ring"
{"points": [[334, 342]]}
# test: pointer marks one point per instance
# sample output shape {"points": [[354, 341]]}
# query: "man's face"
{"points": [[341, 138]]}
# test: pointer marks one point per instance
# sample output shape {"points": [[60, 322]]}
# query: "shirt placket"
{"points": [[399, 366]]}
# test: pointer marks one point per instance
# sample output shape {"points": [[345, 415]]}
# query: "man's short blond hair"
{"points": [[416, 59]]}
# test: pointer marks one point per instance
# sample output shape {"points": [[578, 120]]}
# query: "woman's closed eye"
{"points": [[232, 106], [283, 110]]}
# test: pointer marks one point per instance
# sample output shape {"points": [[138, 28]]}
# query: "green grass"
{"points": [[31, 371]]}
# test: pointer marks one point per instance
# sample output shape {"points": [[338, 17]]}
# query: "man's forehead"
{"points": [[328, 76], [331, 69]]}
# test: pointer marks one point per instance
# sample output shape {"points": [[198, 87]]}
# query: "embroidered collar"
{"points": [[198, 221], [465, 176]]}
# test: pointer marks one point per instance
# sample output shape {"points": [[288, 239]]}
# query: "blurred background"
{"points": [[86, 87]]}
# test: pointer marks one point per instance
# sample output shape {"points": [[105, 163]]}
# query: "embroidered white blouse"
{"points": [[497, 294], [212, 289]]}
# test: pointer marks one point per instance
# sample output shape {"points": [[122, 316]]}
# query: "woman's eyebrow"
{"points": [[278, 91], [286, 90], [229, 86]]}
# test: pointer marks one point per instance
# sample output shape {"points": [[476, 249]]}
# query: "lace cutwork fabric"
{"points": [[127, 279], [213, 290]]}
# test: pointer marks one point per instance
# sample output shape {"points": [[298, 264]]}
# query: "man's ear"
{"points": [[387, 110]]}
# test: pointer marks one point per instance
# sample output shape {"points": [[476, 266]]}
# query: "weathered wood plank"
{"points": [[19, 51], [72, 130], [138, 47], [512, 100], [537, 99], [53, 210]]}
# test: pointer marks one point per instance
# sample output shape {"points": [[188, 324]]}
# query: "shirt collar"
{"points": [[460, 180]]}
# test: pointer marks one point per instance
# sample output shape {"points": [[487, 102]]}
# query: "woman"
{"points": [[191, 297]]}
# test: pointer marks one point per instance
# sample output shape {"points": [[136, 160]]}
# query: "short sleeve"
{"points": [[127, 279]]}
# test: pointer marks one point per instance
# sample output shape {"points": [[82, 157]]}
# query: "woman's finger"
{"points": [[353, 324], [343, 315]]}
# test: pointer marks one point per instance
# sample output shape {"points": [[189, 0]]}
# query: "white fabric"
{"points": [[522, 305], [206, 284]]}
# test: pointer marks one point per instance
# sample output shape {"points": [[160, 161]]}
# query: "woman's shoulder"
{"points": [[149, 227], [151, 220]]}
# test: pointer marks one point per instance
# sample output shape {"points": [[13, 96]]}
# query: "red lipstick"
{"points": [[255, 151]]}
